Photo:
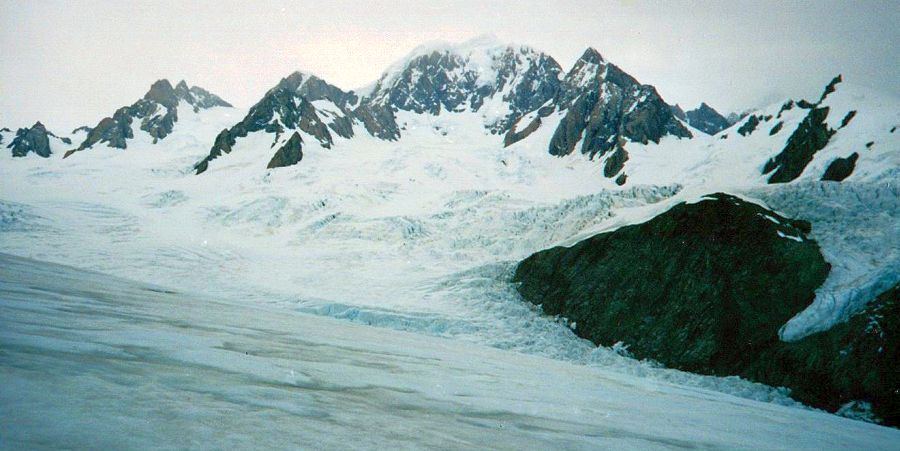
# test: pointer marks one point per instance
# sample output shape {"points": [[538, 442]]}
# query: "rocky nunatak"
{"points": [[705, 287], [34, 140]]}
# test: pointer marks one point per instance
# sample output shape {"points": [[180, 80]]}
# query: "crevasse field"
{"points": [[231, 304]]}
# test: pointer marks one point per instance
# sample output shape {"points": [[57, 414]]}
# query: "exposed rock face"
{"points": [[810, 136], [198, 97], [291, 106], [840, 168], [847, 118], [678, 112], [750, 126], [858, 360], [707, 120], [513, 89], [460, 80], [156, 113], [32, 140], [703, 287], [777, 128], [604, 106], [289, 154], [517, 132]]}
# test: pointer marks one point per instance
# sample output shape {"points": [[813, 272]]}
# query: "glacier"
{"points": [[92, 361]]}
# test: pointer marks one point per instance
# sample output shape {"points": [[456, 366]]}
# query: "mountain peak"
{"points": [[162, 92], [706, 119], [591, 55]]}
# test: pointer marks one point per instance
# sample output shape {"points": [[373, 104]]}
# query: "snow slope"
{"points": [[417, 235], [91, 361]]}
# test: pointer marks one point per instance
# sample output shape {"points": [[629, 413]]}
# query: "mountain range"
{"points": [[469, 177]]}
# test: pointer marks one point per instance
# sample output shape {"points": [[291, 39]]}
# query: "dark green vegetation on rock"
{"points": [[289, 154], [34, 140], [858, 360], [705, 287], [841, 168]]}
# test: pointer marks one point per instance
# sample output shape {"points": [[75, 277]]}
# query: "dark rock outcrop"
{"points": [[847, 118], [703, 287], [678, 112], [840, 168], [707, 120], [830, 87], [34, 140], [156, 113], [615, 163], [289, 154], [787, 106], [777, 128], [289, 107], [750, 126], [810, 136], [605, 107], [858, 360], [517, 133]]}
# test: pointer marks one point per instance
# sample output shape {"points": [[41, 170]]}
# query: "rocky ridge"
{"points": [[156, 113]]}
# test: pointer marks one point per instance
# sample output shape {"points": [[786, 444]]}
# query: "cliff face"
{"points": [[705, 287]]}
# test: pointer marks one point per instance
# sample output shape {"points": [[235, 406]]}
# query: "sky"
{"points": [[70, 63]]}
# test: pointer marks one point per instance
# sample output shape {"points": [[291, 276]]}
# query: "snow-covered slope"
{"points": [[160, 368], [155, 114], [416, 230]]}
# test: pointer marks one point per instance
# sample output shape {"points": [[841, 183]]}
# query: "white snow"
{"points": [[421, 234], [95, 362]]}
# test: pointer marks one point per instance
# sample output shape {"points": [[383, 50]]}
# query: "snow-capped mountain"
{"points": [[156, 112], [508, 89], [503, 82], [521, 97], [406, 204]]}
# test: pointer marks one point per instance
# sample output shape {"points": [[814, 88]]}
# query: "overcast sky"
{"points": [[70, 63]]}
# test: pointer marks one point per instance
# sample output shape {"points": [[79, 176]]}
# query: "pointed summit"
{"points": [[162, 93], [591, 55], [156, 114], [706, 119], [34, 140]]}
